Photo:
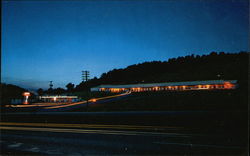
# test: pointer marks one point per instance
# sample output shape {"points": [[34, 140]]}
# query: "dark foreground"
{"points": [[77, 143], [131, 133]]}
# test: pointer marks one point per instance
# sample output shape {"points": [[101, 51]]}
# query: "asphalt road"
{"points": [[85, 139], [124, 133]]}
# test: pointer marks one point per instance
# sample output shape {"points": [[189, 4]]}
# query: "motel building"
{"points": [[170, 86], [58, 99]]}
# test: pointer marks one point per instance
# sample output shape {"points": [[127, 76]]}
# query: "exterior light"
{"points": [[54, 98], [26, 96], [228, 85]]}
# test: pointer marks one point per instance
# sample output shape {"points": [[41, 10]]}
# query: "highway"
{"points": [[125, 133], [100, 139]]}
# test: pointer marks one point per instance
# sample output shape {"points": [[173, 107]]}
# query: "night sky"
{"points": [[45, 40]]}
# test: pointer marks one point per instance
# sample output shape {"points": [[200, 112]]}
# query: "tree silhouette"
{"points": [[9, 91], [59, 91], [70, 87], [40, 91]]}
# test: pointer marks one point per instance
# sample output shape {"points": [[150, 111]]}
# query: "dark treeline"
{"points": [[189, 68], [57, 91]]}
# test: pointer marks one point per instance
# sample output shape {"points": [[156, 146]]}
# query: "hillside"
{"points": [[9, 91], [221, 100], [189, 68]]}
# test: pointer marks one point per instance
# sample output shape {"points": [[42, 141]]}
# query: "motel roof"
{"points": [[209, 82]]}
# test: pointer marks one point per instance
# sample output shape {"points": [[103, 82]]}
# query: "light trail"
{"points": [[38, 105], [67, 105], [83, 102], [114, 132], [107, 97], [61, 105], [48, 104], [132, 127], [20, 106]]}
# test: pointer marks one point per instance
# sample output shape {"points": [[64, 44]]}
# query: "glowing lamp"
{"points": [[26, 96]]}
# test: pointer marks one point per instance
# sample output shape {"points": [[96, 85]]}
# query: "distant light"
{"points": [[156, 88], [54, 99], [93, 100], [228, 85]]}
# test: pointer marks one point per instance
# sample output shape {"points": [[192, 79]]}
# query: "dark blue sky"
{"points": [[45, 40]]}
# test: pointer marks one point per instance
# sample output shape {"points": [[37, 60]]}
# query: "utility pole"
{"points": [[50, 87], [85, 76], [50, 84]]}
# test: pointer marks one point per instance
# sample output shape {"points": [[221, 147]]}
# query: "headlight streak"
{"points": [[83, 102]]}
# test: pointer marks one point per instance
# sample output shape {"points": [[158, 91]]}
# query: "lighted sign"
{"points": [[26, 96]]}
